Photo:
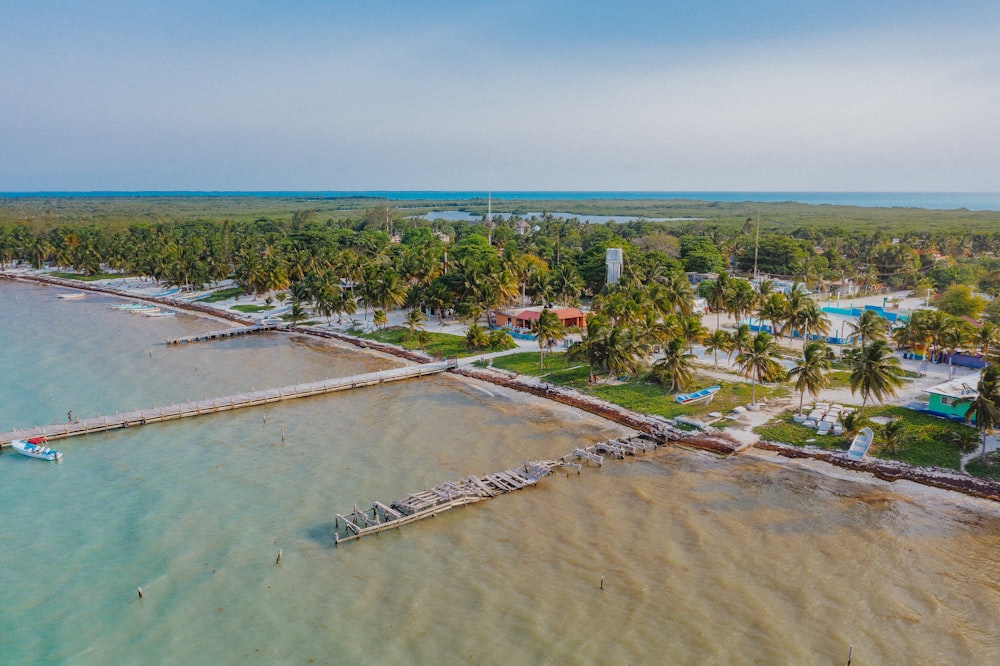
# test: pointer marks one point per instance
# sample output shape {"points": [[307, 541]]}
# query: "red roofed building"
{"points": [[525, 318]]}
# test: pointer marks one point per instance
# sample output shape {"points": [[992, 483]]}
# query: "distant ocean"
{"points": [[978, 201]]}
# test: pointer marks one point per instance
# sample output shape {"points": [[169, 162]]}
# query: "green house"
{"points": [[951, 399]]}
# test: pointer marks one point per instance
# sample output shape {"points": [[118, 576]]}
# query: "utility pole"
{"points": [[756, 247], [489, 198]]}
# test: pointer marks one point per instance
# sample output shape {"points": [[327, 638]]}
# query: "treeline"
{"points": [[350, 237]]}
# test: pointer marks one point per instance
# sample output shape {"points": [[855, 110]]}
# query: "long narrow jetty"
{"points": [[450, 494], [224, 404], [224, 333]]}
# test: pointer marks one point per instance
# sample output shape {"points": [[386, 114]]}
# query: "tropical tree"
{"points": [[809, 372], [500, 339], [740, 340], [853, 422], [893, 435], [717, 296], [476, 337], [548, 329], [869, 326], [592, 347], [876, 373], [718, 341], [984, 410], [964, 439], [675, 369], [692, 330], [774, 308], [759, 361], [813, 320], [379, 318], [414, 321]]}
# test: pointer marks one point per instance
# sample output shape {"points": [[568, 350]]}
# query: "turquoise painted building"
{"points": [[952, 399]]}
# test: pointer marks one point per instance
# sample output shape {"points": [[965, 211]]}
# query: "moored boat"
{"points": [[71, 296], [33, 449], [705, 394], [860, 444]]}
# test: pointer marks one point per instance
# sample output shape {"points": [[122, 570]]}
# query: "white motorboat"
{"points": [[33, 449]]}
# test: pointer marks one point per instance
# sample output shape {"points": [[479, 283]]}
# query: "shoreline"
{"points": [[717, 443]]}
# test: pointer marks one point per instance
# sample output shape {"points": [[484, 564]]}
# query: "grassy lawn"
{"points": [[990, 470], [441, 345], [637, 394], [926, 440], [87, 278], [221, 295], [251, 309]]}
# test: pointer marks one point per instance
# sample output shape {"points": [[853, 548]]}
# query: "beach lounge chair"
{"points": [[824, 428], [838, 429]]}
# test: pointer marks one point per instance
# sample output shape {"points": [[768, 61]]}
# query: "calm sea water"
{"points": [[931, 200], [704, 560]]}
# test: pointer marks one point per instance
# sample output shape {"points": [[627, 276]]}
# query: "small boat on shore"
{"points": [[704, 395], [861, 444], [33, 449]]}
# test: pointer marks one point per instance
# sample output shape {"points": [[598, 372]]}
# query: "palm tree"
{"points": [[774, 309], [379, 319], [869, 326], [740, 340], [718, 341], [414, 320], [476, 337], [876, 373], [986, 337], [984, 410], [548, 329], [853, 423], [892, 435], [759, 361], [809, 372], [717, 296], [813, 320], [965, 440], [798, 304], [593, 344], [622, 351], [692, 330], [675, 367]]}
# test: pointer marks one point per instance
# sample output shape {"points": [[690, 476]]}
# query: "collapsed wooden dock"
{"points": [[224, 404], [223, 333], [450, 494]]}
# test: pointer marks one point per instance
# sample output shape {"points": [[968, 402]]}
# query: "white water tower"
{"points": [[613, 260]]}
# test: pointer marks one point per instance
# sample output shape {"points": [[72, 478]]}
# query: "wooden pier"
{"points": [[224, 333], [224, 404], [450, 494]]}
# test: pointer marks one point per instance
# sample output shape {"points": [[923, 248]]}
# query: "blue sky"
{"points": [[664, 95]]}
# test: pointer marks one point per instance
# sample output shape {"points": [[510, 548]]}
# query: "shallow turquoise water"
{"points": [[704, 560]]}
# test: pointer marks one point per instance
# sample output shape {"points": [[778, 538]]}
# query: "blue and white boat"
{"points": [[704, 395], [861, 443], [33, 449]]}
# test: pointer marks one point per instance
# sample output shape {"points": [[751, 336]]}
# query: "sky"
{"points": [[658, 95]]}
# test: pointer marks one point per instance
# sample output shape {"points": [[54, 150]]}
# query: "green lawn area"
{"points": [[441, 345], [637, 394], [990, 470], [926, 440], [87, 278], [249, 308], [221, 295]]}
